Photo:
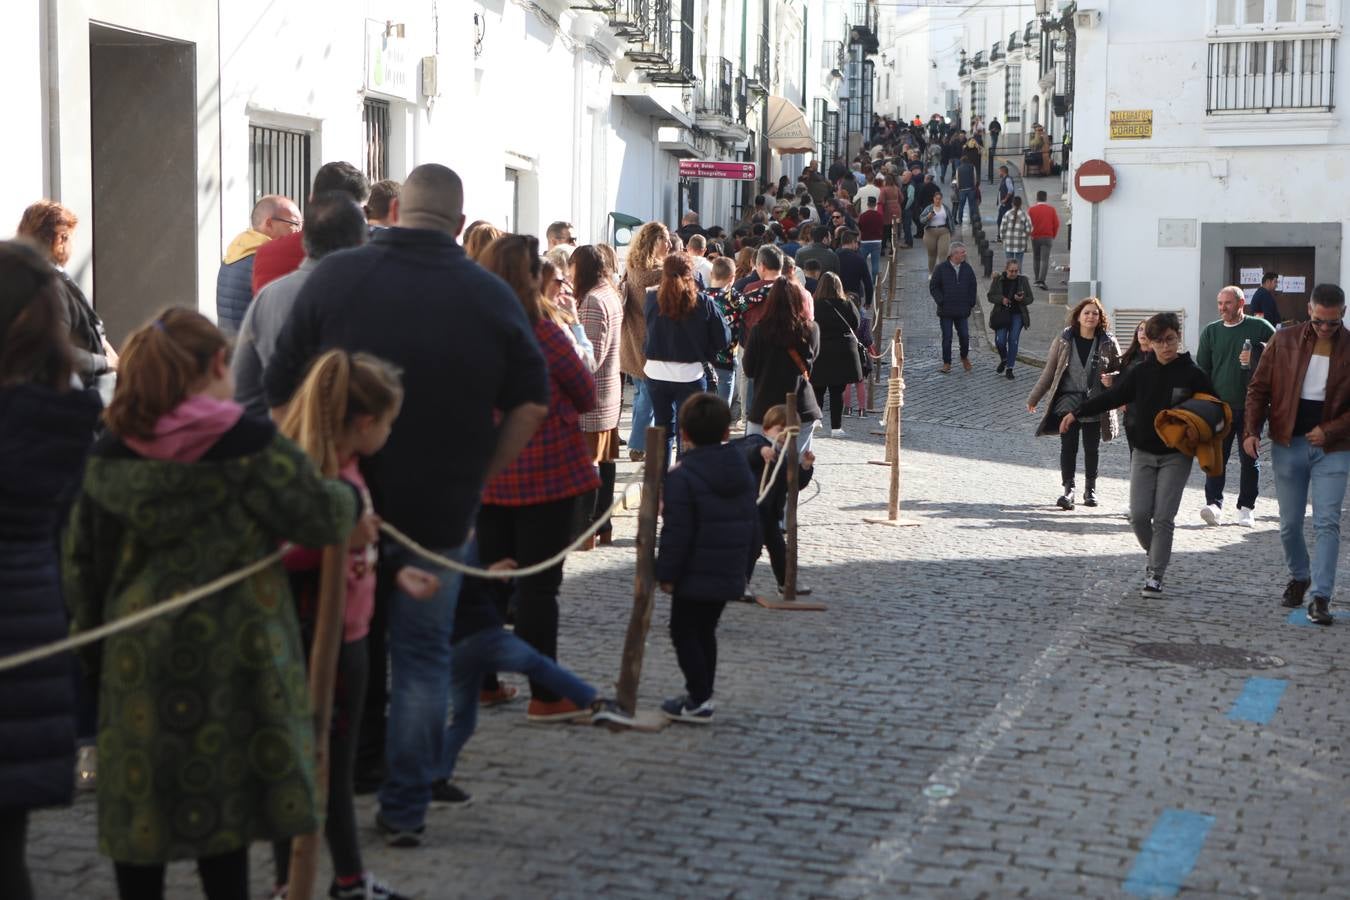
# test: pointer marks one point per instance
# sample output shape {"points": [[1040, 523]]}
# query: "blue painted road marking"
{"points": [[1258, 700], [1300, 617], [1169, 854]]}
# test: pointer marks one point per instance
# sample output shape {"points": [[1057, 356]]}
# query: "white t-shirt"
{"points": [[703, 270], [1315, 379], [679, 372]]}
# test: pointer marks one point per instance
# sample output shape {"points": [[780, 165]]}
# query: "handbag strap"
{"points": [[801, 364], [848, 329]]}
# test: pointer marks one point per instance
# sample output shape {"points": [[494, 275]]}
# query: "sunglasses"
{"points": [[1326, 323]]}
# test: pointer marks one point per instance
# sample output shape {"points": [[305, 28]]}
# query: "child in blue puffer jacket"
{"points": [[708, 533]]}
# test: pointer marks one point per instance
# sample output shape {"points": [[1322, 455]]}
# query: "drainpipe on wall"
{"points": [[578, 140]]}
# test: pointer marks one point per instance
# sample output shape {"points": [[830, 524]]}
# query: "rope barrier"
{"points": [[445, 562], [172, 605], [766, 479], [229, 579]]}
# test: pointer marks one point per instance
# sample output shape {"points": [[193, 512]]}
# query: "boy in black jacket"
{"points": [[707, 534], [761, 451]]}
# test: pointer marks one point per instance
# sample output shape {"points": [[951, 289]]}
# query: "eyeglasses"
{"points": [[1172, 341], [287, 221], [1326, 323]]}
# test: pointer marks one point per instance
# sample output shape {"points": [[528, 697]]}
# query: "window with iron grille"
{"points": [[976, 99], [1266, 75], [830, 149], [1012, 94], [375, 118], [822, 108], [278, 163]]}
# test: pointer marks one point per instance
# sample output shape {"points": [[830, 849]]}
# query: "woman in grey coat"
{"points": [[1073, 373]]}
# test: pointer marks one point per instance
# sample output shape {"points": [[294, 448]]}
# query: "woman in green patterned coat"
{"points": [[205, 739]]}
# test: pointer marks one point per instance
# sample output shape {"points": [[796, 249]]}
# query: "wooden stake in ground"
{"points": [[894, 402], [792, 469], [323, 659], [644, 582]]}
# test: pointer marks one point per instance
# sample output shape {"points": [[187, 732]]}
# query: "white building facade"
{"points": [[160, 124], [920, 55], [1230, 155]]}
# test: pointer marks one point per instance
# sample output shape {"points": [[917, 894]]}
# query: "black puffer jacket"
{"points": [[708, 523], [44, 438]]}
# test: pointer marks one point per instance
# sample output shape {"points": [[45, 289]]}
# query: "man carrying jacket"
{"points": [[1302, 384], [953, 287]]}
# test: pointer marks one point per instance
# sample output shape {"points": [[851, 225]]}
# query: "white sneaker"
{"points": [[836, 432], [1211, 514], [1244, 517]]}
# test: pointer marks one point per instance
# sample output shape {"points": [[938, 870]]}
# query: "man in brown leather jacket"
{"points": [[1302, 385]]}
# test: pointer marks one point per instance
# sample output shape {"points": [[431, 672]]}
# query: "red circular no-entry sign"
{"points": [[1095, 180]]}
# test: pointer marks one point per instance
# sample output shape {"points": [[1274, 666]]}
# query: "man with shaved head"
{"points": [[467, 351], [273, 217]]}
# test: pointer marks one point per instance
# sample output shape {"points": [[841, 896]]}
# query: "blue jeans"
{"points": [[964, 199], [962, 326], [419, 694], [1302, 470], [498, 650], [871, 251], [1005, 339], [642, 415], [666, 399], [726, 383]]}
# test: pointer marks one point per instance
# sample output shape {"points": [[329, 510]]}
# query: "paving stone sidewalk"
{"points": [[973, 717]]}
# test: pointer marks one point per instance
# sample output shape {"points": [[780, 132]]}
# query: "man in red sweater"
{"points": [[1044, 230], [283, 254], [872, 227]]}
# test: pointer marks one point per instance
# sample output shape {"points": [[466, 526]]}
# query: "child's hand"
{"points": [[768, 454], [417, 583], [366, 531], [504, 565], [808, 459], [667, 587]]}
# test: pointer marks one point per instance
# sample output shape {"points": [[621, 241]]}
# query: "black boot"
{"points": [[1066, 501], [1090, 493]]}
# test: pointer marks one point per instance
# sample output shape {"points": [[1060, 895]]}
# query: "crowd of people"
{"points": [[314, 410]]}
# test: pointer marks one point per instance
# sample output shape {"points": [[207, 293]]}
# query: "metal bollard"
{"points": [[987, 260]]}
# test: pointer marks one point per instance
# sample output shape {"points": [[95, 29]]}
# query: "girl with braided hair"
{"points": [[343, 411]]}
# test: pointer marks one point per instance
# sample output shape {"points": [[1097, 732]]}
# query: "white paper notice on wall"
{"points": [[1292, 284], [1249, 276]]}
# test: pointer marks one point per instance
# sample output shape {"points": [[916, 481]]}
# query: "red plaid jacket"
{"points": [[555, 463]]}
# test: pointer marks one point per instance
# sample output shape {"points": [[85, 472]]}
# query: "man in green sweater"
{"points": [[1229, 360]]}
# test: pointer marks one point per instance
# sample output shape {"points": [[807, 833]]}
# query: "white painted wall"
{"points": [[23, 68], [1141, 58]]}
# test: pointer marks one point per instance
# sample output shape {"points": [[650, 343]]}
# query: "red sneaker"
{"points": [[504, 693], [555, 711]]}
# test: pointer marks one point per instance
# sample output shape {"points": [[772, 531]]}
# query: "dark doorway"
{"points": [[143, 138], [1292, 264]]}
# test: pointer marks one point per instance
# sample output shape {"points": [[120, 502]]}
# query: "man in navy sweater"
{"points": [[411, 296], [953, 287], [854, 270]]}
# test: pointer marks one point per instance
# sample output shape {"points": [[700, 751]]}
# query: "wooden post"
{"points": [[323, 657], [894, 399], [792, 471], [791, 468], [644, 580], [895, 256]]}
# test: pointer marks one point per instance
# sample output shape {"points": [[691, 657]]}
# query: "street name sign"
{"points": [[699, 168]]}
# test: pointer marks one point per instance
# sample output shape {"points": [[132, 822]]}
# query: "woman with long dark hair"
{"points": [[684, 331], [46, 429], [1072, 375], [530, 509], [778, 357], [601, 311], [839, 364]]}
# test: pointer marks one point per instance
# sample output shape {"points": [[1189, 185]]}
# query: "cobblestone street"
{"points": [[972, 717]]}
